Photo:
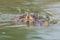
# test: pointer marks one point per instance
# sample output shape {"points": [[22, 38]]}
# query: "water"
{"points": [[35, 33], [21, 32], [13, 32]]}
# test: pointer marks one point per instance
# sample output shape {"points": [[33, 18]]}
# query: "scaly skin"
{"points": [[45, 23]]}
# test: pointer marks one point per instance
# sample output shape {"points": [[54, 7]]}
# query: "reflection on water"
{"points": [[36, 33]]}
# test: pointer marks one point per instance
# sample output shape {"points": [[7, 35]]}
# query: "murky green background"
{"points": [[9, 9], [35, 33]]}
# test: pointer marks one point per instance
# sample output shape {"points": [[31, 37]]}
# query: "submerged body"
{"points": [[30, 19]]}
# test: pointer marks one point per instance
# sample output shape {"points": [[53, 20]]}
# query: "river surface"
{"points": [[51, 32], [35, 33], [23, 32]]}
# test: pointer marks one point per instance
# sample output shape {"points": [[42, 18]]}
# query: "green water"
{"points": [[35, 33], [10, 31], [22, 33], [13, 34]]}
